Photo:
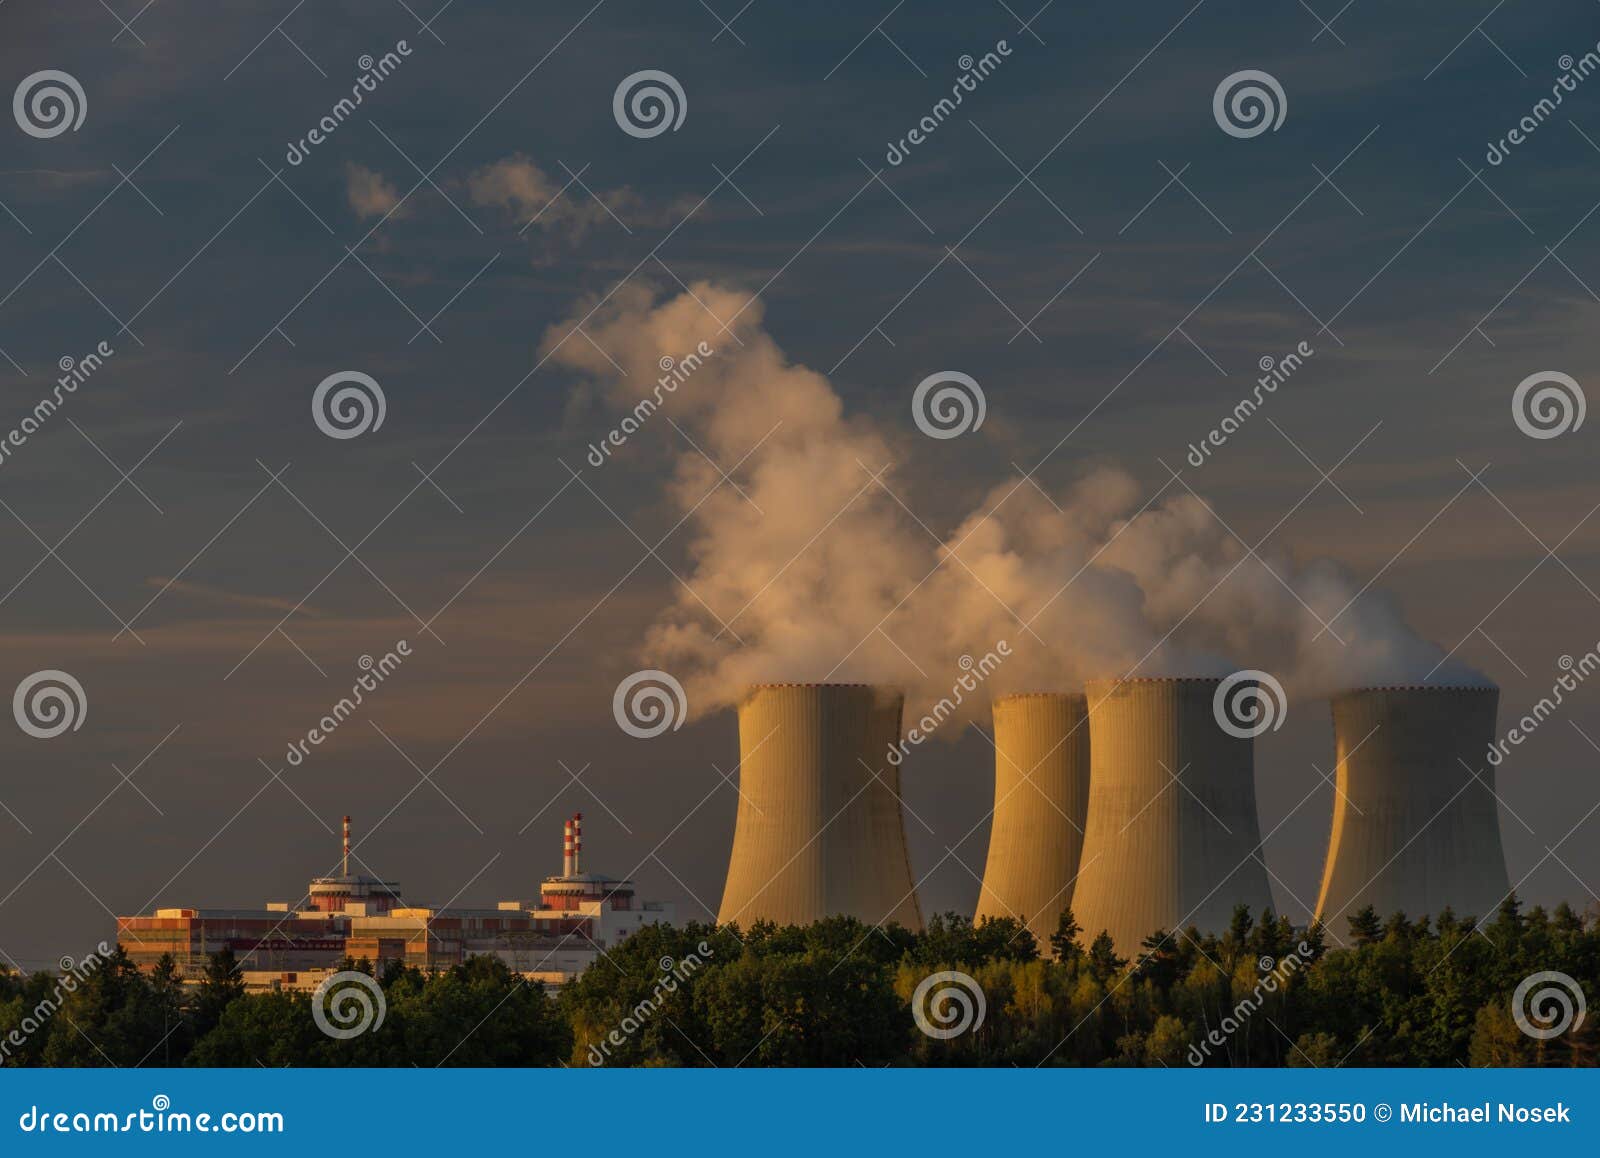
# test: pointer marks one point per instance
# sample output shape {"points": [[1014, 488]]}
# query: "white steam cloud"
{"points": [[818, 572]]}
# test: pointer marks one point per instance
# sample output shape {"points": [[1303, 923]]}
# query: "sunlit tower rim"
{"points": [[1041, 801], [1416, 824], [806, 684], [819, 830], [1172, 837]]}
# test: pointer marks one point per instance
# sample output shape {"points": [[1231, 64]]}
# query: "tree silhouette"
{"points": [[1261, 991]]}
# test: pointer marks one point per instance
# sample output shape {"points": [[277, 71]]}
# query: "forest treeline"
{"points": [[1396, 992]]}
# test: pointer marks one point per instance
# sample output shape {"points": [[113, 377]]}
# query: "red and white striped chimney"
{"points": [[346, 869], [566, 852], [577, 843]]}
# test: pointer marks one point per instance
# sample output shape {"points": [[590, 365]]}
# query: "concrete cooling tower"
{"points": [[1041, 797], [1172, 836], [1413, 829], [818, 834]]}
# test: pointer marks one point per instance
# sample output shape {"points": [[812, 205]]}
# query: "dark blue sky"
{"points": [[230, 282]]}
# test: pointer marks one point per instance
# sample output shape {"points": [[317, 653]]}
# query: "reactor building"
{"points": [[1415, 823], [551, 938], [1041, 800], [819, 830], [1172, 838]]}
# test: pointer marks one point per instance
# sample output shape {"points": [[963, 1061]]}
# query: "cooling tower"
{"points": [[819, 831], [1041, 797], [1413, 829], [1172, 838]]}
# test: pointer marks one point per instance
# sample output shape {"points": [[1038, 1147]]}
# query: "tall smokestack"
{"points": [[1172, 838], [1415, 824], [577, 843], [346, 870], [819, 830], [1041, 798], [566, 849]]}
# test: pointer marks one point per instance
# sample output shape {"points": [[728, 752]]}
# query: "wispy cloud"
{"points": [[567, 204], [209, 594], [369, 192]]}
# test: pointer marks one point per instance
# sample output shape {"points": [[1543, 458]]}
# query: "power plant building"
{"points": [[819, 830], [576, 917], [1041, 801], [1415, 821], [1132, 805], [1172, 838]]}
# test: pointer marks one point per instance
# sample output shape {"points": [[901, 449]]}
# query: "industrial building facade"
{"points": [[576, 917], [1131, 804]]}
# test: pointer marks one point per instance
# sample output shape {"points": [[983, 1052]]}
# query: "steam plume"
{"points": [[816, 571]]}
